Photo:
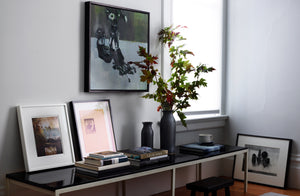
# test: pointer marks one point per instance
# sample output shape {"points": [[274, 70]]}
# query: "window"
{"points": [[204, 19]]}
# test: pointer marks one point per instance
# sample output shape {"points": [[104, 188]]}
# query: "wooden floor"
{"points": [[238, 190]]}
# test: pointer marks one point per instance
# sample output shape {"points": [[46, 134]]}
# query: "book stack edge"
{"points": [[143, 156], [104, 160]]}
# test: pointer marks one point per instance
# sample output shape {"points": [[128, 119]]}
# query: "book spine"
{"points": [[118, 160], [86, 166], [103, 158], [99, 168], [132, 156], [150, 158], [106, 156], [153, 154], [103, 162], [112, 155], [158, 157], [144, 162], [147, 155], [98, 162]]}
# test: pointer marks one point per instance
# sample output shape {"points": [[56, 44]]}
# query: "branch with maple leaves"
{"points": [[173, 94]]}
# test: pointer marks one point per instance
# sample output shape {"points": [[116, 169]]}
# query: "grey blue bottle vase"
{"points": [[147, 134], [168, 132]]}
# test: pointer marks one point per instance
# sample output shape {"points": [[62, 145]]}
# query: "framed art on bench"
{"points": [[94, 126], [45, 136]]}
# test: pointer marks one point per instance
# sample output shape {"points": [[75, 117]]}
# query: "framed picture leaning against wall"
{"points": [[268, 159], [94, 126], [45, 136]]}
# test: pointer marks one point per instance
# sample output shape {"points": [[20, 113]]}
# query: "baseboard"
{"points": [[295, 161], [293, 180]]}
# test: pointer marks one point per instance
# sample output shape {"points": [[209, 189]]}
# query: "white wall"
{"points": [[42, 62], [263, 71]]}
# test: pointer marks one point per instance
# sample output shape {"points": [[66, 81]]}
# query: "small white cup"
{"points": [[205, 138]]}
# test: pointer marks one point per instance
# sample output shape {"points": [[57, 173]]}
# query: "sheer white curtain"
{"points": [[204, 37]]}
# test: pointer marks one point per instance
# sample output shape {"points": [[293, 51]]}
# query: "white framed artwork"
{"points": [[45, 136]]}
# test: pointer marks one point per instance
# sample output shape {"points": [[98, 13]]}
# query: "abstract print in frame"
{"points": [[94, 126], [112, 38], [47, 134], [46, 137], [268, 159]]}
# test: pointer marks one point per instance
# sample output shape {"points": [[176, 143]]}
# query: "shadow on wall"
{"points": [[81, 46], [126, 133], [11, 159]]}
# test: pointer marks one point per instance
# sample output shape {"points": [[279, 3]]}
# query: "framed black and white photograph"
{"points": [[268, 159], [112, 38], [45, 136], [94, 126]]}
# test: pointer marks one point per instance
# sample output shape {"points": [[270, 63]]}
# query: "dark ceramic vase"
{"points": [[168, 132], [147, 134]]}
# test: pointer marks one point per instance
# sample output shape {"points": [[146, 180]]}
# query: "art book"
{"points": [[144, 152], [196, 148]]}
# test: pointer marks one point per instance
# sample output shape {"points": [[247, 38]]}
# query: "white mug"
{"points": [[205, 138]]}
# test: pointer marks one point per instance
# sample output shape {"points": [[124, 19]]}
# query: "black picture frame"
{"points": [[112, 37], [268, 159], [94, 126]]}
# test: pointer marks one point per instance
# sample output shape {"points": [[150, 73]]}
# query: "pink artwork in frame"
{"points": [[94, 126]]}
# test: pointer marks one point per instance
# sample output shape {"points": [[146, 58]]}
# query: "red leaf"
{"points": [[159, 108]]}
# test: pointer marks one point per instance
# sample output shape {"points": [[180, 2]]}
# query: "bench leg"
{"points": [[227, 191], [193, 193]]}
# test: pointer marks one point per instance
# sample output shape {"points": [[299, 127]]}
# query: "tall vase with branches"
{"points": [[173, 94]]}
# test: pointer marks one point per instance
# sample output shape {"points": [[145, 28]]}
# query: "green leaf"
{"points": [[182, 117], [176, 91]]}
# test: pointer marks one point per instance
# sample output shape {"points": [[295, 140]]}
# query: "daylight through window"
{"points": [[204, 37]]}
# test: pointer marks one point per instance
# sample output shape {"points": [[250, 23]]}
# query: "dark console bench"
{"points": [[68, 179]]}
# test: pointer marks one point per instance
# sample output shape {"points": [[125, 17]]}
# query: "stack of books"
{"points": [[142, 156], [103, 160]]}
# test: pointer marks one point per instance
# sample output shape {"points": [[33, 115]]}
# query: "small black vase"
{"points": [[168, 132], [147, 134]]}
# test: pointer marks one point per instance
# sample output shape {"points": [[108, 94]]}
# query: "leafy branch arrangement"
{"points": [[175, 93]]}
